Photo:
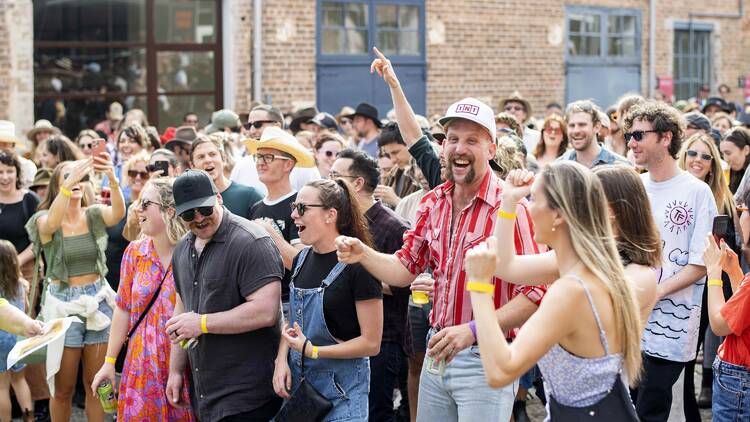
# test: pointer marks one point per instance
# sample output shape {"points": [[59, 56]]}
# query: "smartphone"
{"points": [[721, 227], [160, 165], [100, 146]]}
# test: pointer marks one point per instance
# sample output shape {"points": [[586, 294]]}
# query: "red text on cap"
{"points": [[467, 108]]}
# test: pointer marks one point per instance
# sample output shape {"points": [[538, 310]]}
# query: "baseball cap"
{"points": [[193, 189], [473, 110], [698, 120], [324, 120]]}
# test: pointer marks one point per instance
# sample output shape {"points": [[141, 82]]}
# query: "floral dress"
{"points": [[142, 395]]}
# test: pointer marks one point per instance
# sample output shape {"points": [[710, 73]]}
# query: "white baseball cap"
{"points": [[473, 110]]}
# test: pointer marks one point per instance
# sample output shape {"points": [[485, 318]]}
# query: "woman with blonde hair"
{"points": [[147, 295], [582, 353]]}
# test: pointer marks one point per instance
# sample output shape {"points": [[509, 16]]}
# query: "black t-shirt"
{"points": [[13, 218], [116, 245], [279, 214], [353, 284]]}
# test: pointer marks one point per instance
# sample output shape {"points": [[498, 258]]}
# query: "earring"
{"points": [[328, 221], [553, 228]]}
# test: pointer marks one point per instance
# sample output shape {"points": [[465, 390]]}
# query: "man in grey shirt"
{"points": [[227, 274]]}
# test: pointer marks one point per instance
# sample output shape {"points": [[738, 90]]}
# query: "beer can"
{"points": [[107, 396]]}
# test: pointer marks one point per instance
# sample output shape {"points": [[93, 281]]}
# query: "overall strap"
{"points": [[300, 260], [335, 272], [602, 334]]}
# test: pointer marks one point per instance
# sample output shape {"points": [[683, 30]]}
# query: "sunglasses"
{"points": [[301, 208], [135, 173], [330, 153], [638, 134], [704, 157], [268, 158], [333, 175], [514, 108], [553, 130], [257, 124], [189, 215], [145, 203], [83, 180], [86, 145]]}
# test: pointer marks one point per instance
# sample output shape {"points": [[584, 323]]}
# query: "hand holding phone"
{"points": [[721, 227], [100, 146]]}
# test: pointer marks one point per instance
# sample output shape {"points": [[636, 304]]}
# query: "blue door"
{"points": [[347, 31], [603, 54]]}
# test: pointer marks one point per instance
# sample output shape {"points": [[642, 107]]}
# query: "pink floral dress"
{"points": [[142, 395]]}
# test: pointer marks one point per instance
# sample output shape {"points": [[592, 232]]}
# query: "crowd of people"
{"points": [[354, 267]]}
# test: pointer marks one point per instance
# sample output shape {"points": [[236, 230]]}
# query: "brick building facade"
{"points": [[482, 48]]}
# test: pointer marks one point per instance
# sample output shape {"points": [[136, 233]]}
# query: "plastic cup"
{"points": [[419, 297]]}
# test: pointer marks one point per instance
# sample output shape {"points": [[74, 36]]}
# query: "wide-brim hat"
{"points": [[279, 139], [302, 116], [42, 125], [41, 178], [367, 110], [183, 135], [8, 132], [517, 98]]}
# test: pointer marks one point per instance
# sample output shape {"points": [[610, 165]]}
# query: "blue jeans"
{"points": [[461, 393], [731, 393], [384, 370]]}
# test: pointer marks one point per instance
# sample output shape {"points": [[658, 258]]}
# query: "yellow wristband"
{"points": [[715, 282], [204, 321], [110, 359], [314, 354], [65, 191], [478, 286], [506, 215]]}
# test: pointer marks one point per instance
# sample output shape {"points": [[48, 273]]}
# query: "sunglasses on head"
{"points": [[83, 180], [301, 208], [703, 156], [189, 215], [257, 124], [638, 134], [136, 173]]}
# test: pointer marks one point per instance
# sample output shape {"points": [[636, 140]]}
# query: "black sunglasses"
{"points": [[83, 180], [638, 134], [145, 203], [693, 154], [257, 124], [189, 215], [301, 208], [136, 173], [330, 153]]}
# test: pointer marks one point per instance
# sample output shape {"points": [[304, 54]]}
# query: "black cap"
{"points": [[193, 189], [717, 101], [698, 120], [324, 120], [369, 111]]}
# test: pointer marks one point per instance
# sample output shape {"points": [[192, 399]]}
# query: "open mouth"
{"points": [[202, 225], [300, 228], [461, 163], [209, 169]]}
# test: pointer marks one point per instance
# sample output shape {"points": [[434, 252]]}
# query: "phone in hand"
{"points": [[721, 227], [100, 146], [160, 165]]}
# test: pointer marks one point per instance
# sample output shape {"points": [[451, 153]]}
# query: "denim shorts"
{"points": [[78, 335], [7, 341]]}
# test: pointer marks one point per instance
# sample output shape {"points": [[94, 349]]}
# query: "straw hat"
{"points": [[277, 138]]}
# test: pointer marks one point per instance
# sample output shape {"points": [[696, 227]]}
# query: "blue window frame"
{"points": [[603, 35], [692, 58]]}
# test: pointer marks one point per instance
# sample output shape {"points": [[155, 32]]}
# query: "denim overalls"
{"points": [[345, 382]]}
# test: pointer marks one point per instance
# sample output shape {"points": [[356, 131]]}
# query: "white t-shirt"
{"points": [[531, 137], [684, 209], [245, 173]]}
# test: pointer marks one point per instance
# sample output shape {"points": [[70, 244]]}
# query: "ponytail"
{"points": [[350, 220]]}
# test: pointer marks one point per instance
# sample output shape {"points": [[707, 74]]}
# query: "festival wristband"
{"points": [[473, 327], [110, 359], [65, 191], [314, 354], [478, 286], [506, 215], [715, 282], [204, 321]]}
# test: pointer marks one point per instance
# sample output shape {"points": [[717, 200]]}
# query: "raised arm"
{"points": [[52, 221], [407, 121], [712, 257], [111, 214], [384, 267]]}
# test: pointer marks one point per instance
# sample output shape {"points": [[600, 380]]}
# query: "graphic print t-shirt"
{"points": [[684, 209]]}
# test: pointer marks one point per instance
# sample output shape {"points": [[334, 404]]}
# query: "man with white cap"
{"points": [[450, 220], [8, 142], [277, 153]]}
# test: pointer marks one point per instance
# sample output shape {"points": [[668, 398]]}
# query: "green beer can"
{"points": [[107, 396]]}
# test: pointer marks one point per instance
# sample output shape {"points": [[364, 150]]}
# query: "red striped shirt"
{"points": [[430, 245]]}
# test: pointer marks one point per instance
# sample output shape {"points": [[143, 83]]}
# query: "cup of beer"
{"points": [[419, 297]]}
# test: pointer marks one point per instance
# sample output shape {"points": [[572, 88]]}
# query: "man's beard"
{"points": [[470, 175]]}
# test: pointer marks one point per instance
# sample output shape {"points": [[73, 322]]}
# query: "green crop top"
{"points": [[59, 259]]}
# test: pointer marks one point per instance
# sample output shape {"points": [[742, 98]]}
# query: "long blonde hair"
{"points": [[175, 227], [578, 194], [715, 178]]}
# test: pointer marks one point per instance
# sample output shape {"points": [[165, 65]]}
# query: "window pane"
{"points": [[584, 23], [333, 41], [185, 21], [80, 113], [408, 17], [580, 45], [185, 71], [91, 20], [173, 107], [89, 69], [387, 16], [409, 43], [356, 41], [622, 47], [332, 14], [388, 42], [356, 15], [574, 23], [628, 25]]}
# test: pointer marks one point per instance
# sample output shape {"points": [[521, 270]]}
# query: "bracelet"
{"points": [[314, 354], [480, 287], [204, 321], [506, 215], [716, 282], [65, 191], [473, 327], [110, 359]]}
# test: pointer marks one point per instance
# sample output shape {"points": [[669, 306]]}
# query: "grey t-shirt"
{"points": [[231, 374]]}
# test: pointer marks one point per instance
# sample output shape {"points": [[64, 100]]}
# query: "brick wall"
{"points": [[16, 63]]}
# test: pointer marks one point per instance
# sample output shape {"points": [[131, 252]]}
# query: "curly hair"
{"points": [[664, 118], [510, 121]]}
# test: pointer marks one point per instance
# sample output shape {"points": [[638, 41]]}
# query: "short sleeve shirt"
{"points": [[240, 199], [231, 373], [736, 312]]}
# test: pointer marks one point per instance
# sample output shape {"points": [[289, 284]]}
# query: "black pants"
{"points": [[262, 414], [654, 394], [384, 373]]}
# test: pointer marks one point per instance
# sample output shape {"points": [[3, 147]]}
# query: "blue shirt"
{"points": [[605, 157]]}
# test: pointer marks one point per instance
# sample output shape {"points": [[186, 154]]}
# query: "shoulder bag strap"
{"points": [[150, 304]]}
